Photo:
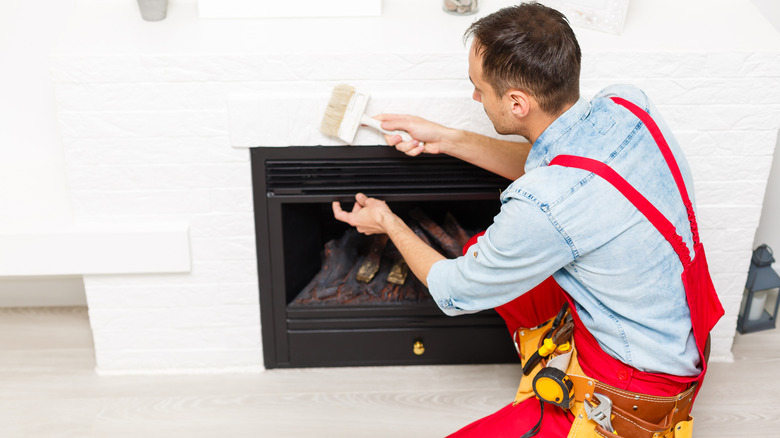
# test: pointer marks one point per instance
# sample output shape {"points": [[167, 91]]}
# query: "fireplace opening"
{"points": [[330, 296], [332, 265]]}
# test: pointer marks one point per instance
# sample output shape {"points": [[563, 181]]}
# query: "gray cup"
{"points": [[153, 10]]}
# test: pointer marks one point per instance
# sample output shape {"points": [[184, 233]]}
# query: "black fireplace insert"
{"points": [[330, 296]]}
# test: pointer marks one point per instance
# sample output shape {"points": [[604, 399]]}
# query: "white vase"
{"points": [[153, 10]]}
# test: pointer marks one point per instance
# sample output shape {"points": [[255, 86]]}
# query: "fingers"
{"points": [[420, 148], [339, 213], [390, 117], [344, 216], [393, 140], [366, 214], [411, 148], [393, 122]]}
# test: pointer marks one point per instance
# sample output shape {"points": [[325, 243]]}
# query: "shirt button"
{"points": [[475, 254], [622, 375]]}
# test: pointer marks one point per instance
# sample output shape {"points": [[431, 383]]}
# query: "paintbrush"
{"points": [[346, 112]]}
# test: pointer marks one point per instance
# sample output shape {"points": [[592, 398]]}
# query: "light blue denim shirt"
{"points": [[622, 274]]}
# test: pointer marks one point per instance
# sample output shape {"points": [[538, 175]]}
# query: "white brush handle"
{"points": [[376, 124]]}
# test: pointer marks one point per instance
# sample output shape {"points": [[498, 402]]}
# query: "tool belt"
{"points": [[628, 414]]}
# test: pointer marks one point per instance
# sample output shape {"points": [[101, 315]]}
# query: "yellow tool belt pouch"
{"points": [[633, 415]]}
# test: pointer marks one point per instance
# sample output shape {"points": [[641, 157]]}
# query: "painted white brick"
{"points": [[231, 200], [159, 150], [715, 91], [733, 299], [203, 272], [257, 67], [642, 65], [201, 294], [164, 177], [279, 67], [721, 142], [333, 67], [730, 168], [743, 64], [680, 64], [175, 96], [720, 347], [730, 299], [230, 271], [727, 216], [208, 225], [728, 261], [731, 192], [139, 96], [724, 330], [222, 249], [98, 283], [221, 225], [726, 326], [123, 124], [202, 338], [721, 117], [730, 239], [101, 203], [178, 317]]}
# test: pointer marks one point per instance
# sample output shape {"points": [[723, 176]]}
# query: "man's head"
{"points": [[529, 48]]}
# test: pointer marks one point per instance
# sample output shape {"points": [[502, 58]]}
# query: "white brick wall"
{"points": [[148, 138]]}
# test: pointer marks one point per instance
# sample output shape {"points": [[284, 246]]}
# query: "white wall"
{"points": [[769, 228], [33, 191]]}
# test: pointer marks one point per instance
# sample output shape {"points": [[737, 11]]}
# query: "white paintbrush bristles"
{"points": [[346, 112], [337, 107]]}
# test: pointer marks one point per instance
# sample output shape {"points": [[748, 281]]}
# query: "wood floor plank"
{"points": [[48, 388]]}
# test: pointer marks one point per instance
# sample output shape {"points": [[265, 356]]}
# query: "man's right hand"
{"points": [[502, 157], [428, 137]]}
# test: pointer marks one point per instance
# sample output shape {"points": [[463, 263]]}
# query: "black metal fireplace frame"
{"points": [[362, 336]]}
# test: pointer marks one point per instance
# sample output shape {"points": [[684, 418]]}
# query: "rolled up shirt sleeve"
{"points": [[522, 247]]}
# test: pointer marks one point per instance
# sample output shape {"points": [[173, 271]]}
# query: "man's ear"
{"points": [[519, 101]]}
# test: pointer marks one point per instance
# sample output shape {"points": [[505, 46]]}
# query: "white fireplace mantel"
{"points": [[155, 118]]}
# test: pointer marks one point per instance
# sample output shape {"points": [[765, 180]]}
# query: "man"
{"points": [[625, 275]]}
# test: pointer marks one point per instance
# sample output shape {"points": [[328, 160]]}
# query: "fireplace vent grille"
{"points": [[346, 176]]}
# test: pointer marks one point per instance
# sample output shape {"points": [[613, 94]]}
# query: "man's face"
{"points": [[495, 106]]}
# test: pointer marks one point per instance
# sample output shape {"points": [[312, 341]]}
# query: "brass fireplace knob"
{"points": [[418, 348]]}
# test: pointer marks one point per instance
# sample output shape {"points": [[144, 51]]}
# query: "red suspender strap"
{"points": [[640, 202], [655, 131]]}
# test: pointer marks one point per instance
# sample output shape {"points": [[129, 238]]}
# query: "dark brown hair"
{"points": [[532, 48]]}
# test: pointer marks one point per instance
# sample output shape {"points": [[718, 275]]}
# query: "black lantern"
{"points": [[759, 305]]}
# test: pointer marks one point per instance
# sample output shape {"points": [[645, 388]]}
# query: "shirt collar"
{"points": [[540, 151]]}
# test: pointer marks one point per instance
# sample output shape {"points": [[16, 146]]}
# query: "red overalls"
{"points": [[544, 301]]}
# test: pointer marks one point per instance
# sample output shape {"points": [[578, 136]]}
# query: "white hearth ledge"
{"points": [[95, 249]]}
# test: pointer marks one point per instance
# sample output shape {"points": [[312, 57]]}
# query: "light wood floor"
{"points": [[48, 389]]}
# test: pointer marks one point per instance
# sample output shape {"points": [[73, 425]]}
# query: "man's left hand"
{"points": [[368, 215]]}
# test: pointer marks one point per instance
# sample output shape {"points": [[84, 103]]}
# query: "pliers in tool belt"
{"points": [[555, 338]]}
